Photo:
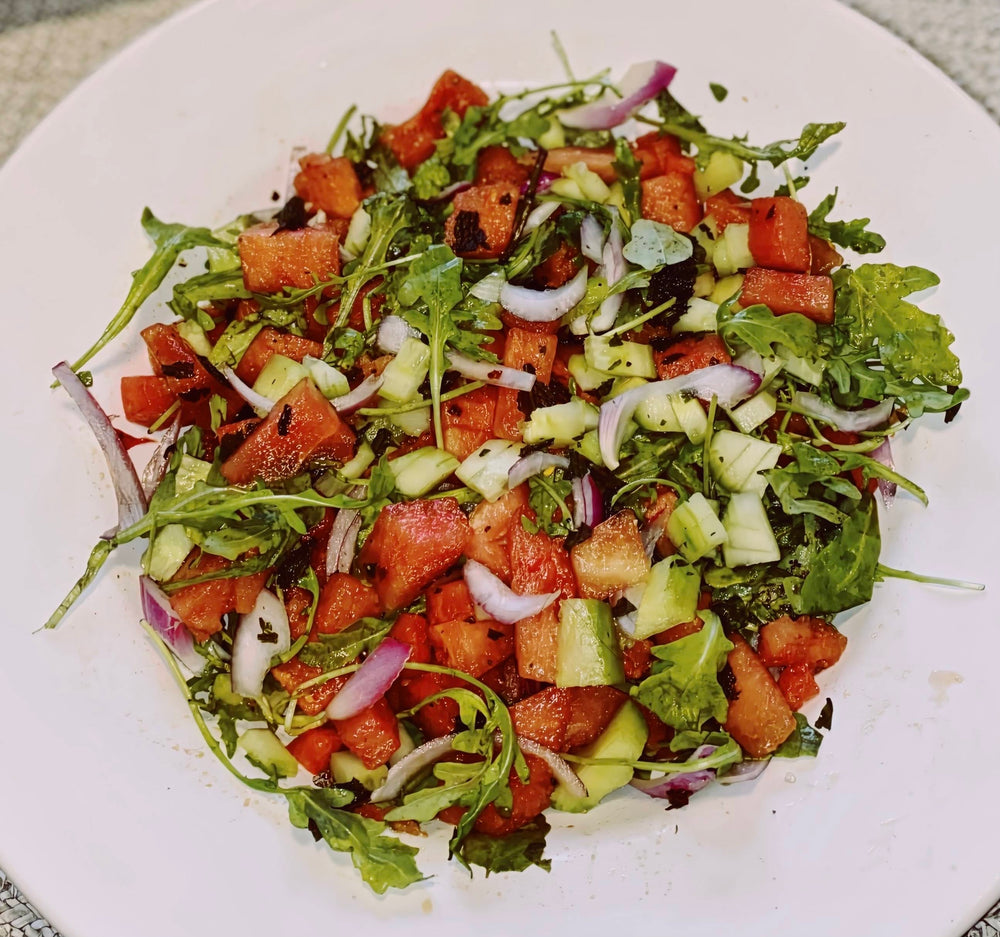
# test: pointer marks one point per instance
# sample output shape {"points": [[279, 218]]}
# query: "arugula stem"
{"points": [[338, 131], [98, 555], [566, 512], [421, 402], [890, 573]]}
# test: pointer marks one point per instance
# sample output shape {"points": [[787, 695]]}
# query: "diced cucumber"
{"points": [[589, 447], [588, 652], [485, 471], [701, 316], [751, 413], [422, 470], [406, 372], [722, 170], [586, 377], [732, 250], [622, 384], [624, 359], [751, 539], [736, 460], [190, 472], [561, 423], [554, 137], [673, 414], [671, 597], [624, 739], [278, 377], [264, 750], [767, 367], [725, 288], [346, 767], [567, 188], [805, 369], [590, 184], [326, 377], [222, 690], [406, 745], [167, 551], [195, 336], [362, 459], [358, 232], [412, 422], [694, 527]]}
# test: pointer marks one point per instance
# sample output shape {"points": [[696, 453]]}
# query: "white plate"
{"points": [[116, 821]]}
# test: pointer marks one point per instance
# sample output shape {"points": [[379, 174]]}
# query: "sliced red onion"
{"points": [[613, 268], [728, 383], [156, 467], [489, 373], [560, 768], [343, 542], [261, 405], [588, 505], [499, 601], [450, 191], [641, 83], [162, 618], [848, 421], [545, 180], [362, 395], [743, 771], [392, 332], [371, 680], [883, 454], [544, 305], [592, 239], [128, 488], [539, 214], [532, 464], [407, 768], [261, 634], [688, 783]]}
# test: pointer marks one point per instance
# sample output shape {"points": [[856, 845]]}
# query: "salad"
{"points": [[523, 452]]}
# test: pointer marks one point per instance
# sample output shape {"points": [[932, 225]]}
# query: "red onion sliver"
{"points": [[343, 542], [561, 769], [363, 394], [497, 599], [371, 680], [532, 464], [883, 455], [849, 421], [687, 783], [592, 239], [156, 467], [128, 489], [545, 179], [407, 768], [744, 771], [728, 383], [251, 655], [641, 83], [544, 305], [261, 405], [539, 214], [162, 618], [613, 268], [489, 373], [449, 192], [588, 505]]}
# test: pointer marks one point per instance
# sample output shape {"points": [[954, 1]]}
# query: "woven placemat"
{"points": [[48, 46]]}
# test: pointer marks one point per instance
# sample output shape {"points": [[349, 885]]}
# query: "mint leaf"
{"points": [[330, 651], [683, 688], [843, 573], [851, 234], [383, 861], [513, 852], [912, 344]]}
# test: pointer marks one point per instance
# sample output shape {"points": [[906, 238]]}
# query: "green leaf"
{"points": [[850, 234], [913, 344], [212, 286], [654, 245], [383, 861], [760, 329], [627, 168], [719, 92], [513, 852], [804, 742], [169, 240], [683, 688], [330, 651], [843, 573]]}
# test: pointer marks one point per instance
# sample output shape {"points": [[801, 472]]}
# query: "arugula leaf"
{"points": [[760, 329], [851, 234], [804, 742], [844, 572], [719, 92], [513, 852], [683, 688], [911, 343], [627, 167], [330, 651], [214, 285], [169, 240], [383, 861]]}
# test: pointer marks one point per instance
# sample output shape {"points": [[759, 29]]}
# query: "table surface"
{"points": [[48, 46]]}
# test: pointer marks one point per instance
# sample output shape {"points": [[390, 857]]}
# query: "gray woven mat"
{"points": [[48, 46]]}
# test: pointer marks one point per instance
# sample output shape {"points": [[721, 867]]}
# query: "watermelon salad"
{"points": [[519, 456]]}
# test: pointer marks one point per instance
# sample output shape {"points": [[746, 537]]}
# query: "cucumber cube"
{"points": [[422, 470], [588, 652], [750, 537], [485, 471], [694, 527], [670, 598]]}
